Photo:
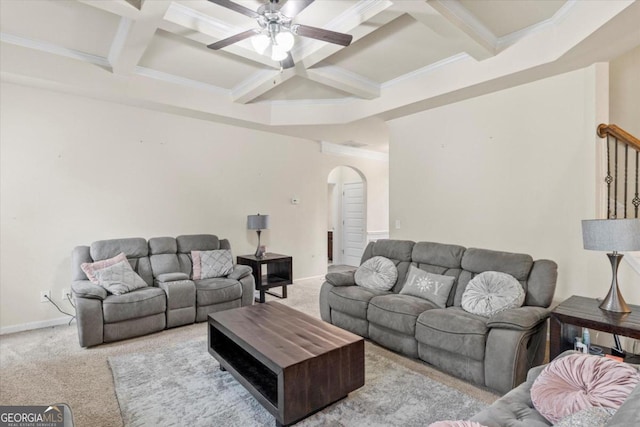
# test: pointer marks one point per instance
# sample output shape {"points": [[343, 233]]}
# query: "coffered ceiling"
{"points": [[406, 55]]}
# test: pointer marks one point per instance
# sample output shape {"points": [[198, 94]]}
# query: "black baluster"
{"points": [[615, 181], [608, 179], [636, 199], [626, 166]]}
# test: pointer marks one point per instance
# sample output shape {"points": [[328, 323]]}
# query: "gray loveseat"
{"points": [[171, 299], [493, 352]]}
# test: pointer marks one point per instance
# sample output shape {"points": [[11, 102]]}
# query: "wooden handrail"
{"points": [[619, 134]]}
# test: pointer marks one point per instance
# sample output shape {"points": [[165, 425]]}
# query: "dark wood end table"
{"points": [[575, 313], [292, 363], [279, 273]]}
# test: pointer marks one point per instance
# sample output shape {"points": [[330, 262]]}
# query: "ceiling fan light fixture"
{"points": [[278, 53], [260, 43], [285, 40]]}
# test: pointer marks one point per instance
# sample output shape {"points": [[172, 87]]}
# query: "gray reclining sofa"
{"points": [[494, 352], [171, 298]]}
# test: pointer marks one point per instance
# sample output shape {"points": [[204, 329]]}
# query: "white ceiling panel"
{"points": [[398, 48], [298, 88], [64, 23], [505, 17], [182, 57]]}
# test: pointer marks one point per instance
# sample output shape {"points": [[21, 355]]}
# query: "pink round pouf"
{"points": [[579, 381]]}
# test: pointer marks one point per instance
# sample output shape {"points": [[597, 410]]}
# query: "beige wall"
{"points": [[512, 170], [74, 170], [624, 101]]}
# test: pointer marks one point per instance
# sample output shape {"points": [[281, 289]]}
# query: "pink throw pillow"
{"points": [[197, 265], [90, 268], [579, 381]]}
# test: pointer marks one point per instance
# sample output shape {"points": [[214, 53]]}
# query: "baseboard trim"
{"points": [[310, 277], [33, 325]]}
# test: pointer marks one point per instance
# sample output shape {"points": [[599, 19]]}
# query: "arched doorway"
{"points": [[347, 215]]}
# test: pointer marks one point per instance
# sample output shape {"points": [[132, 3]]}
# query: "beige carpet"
{"points": [[48, 366]]}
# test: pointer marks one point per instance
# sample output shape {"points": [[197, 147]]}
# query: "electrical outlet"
{"points": [[44, 295], [65, 291]]}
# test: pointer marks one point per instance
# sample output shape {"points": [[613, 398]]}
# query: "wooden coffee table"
{"points": [[292, 363]]}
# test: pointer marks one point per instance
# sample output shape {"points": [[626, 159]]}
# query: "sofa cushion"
{"points": [[578, 381], [481, 260], [428, 286], [133, 305], [397, 312], [197, 242], [119, 278], [210, 264], [352, 300], [132, 247], [454, 330], [440, 254], [492, 292], [378, 273], [217, 290]]}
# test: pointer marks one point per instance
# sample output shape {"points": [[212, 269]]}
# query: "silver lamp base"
{"points": [[614, 301]]}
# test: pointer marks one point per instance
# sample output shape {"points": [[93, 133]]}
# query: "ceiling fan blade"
{"points": [[233, 39], [287, 62], [293, 7], [236, 8], [321, 34]]}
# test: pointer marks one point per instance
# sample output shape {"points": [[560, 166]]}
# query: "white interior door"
{"points": [[353, 220]]}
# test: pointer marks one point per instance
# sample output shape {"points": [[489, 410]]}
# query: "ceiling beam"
{"points": [[134, 36], [339, 78], [481, 42]]}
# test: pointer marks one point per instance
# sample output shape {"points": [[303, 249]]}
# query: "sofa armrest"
{"points": [[345, 278], [520, 319], [171, 277], [239, 271], [86, 289]]}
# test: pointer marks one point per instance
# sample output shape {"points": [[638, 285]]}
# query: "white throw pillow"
{"points": [[209, 264], [377, 273], [429, 286], [491, 292], [119, 278]]}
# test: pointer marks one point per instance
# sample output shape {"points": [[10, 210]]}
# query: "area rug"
{"points": [[183, 385]]}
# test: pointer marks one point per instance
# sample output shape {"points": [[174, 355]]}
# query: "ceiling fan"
{"points": [[276, 33]]}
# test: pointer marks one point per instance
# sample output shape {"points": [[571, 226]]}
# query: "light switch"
{"points": [[397, 224], [295, 200]]}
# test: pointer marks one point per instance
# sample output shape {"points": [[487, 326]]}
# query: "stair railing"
{"points": [[623, 199]]}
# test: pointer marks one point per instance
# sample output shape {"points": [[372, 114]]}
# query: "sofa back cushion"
{"points": [[135, 249], [398, 251], [163, 254], [439, 258]]}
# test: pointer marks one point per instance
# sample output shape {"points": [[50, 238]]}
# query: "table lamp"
{"points": [[612, 235], [258, 223]]}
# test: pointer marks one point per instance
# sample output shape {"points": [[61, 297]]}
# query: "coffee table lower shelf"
{"points": [[290, 392]]}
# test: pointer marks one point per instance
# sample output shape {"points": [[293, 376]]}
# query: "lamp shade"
{"points": [[257, 222], [611, 234]]}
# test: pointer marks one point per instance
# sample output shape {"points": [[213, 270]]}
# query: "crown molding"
{"points": [[54, 49], [459, 11], [425, 70], [509, 39], [342, 150], [181, 81]]}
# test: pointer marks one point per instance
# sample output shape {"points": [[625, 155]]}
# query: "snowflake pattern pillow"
{"points": [[429, 286], [210, 264]]}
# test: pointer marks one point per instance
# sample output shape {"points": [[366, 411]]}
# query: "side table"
{"points": [[279, 272], [581, 312]]}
